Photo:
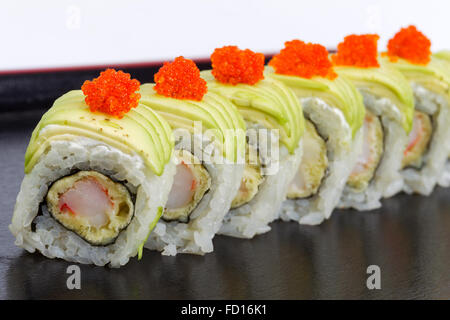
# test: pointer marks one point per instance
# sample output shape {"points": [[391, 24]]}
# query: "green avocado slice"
{"points": [[141, 131], [435, 76], [338, 93], [384, 81], [443, 54], [213, 111], [269, 103]]}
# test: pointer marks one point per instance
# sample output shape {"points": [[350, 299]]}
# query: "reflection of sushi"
{"points": [[389, 104], [444, 180], [97, 175], [428, 145], [334, 113], [275, 126], [210, 139]]}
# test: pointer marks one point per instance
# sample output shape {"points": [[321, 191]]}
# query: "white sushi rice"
{"points": [[387, 180], [79, 153], [342, 152], [444, 180], [423, 180], [196, 236], [253, 218]]}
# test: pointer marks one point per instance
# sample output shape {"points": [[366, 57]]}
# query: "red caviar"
{"points": [[180, 79], [113, 92], [304, 60], [233, 65], [357, 50], [410, 44]]}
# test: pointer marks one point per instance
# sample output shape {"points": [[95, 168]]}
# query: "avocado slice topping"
{"points": [[269, 103], [443, 55], [140, 131], [435, 76], [338, 93], [214, 112], [384, 81]]}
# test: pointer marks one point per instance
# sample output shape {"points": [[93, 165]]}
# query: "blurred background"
{"points": [[51, 46]]}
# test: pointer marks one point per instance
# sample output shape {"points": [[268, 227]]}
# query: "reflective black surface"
{"points": [[409, 239]]}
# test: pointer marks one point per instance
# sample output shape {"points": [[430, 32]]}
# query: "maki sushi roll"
{"points": [[275, 125], [209, 143], [444, 55], [389, 104], [428, 143], [334, 114], [444, 180], [97, 175]]}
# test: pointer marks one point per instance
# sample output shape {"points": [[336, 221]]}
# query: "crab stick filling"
{"points": [[92, 205], [191, 182], [313, 166], [251, 179], [418, 140], [370, 157]]}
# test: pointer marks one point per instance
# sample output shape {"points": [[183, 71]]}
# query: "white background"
{"points": [[60, 33]]}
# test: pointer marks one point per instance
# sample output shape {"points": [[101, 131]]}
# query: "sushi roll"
{"points": [[209, 150], [334, 114], [389, 104], [444, 180], [275, 125], [444, 55], [428, 143], [97, 175]]}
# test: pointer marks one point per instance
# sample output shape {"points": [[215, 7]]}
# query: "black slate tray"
{"points": [[408, 238]]}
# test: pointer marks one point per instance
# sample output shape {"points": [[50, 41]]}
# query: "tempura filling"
{"points": [[191, 182], [251, 180], [418, 140], [313, 166], [371, 155], [92, 205]]}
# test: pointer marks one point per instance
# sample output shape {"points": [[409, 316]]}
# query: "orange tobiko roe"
{"points": [[304, 60], [180, 79], [232, 65], [410, 44], [357, 50], [113, 93]]}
